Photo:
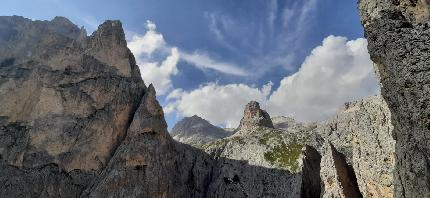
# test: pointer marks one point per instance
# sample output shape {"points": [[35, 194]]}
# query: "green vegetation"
{"points": [[274, 137], [285, 156]]}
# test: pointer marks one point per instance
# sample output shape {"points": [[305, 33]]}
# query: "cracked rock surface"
{"points": [[398, 33]]}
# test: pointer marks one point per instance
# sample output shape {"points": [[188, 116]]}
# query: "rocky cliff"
{"points": [[76, 120], [356, 147], [360, 136], [197, 131], [398, 35], [260, 144], [66, 102]]}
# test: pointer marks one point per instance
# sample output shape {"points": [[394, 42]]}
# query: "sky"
{"points": [[302, 59]]}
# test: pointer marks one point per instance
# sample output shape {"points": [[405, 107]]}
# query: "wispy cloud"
{"points": [[271, 41], [203, 61], [160, 69]]}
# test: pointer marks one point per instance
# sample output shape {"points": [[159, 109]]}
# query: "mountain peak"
{"points": [[195, 130], [254, 117]]}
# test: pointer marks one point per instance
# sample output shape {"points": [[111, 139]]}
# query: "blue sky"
{"points": [[227, 47]]}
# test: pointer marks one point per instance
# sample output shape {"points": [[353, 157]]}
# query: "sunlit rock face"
{"points": [[71, 103], [362, 133], [286, 149], [66, 101], [398, 35], [359, 160], [254, 117]]}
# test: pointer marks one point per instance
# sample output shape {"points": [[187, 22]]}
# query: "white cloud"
{"points": [[222, 105], [160, 71], [159, 74], [203, 61], [335, 72], [148, 43]]}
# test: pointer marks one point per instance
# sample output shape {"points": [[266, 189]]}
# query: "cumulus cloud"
{"points": [[221, 104], [158, 71], [148, 43], [159, 74], [335, 72]]}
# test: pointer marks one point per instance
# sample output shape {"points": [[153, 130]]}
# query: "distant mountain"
{"points": [[197, 131], [283, 122]]}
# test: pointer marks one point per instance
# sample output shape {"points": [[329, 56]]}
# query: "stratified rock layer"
{"points": [[398, 33]]}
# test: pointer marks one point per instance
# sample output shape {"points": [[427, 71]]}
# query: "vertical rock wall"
{"points": [[398, 33], [362, 132]]}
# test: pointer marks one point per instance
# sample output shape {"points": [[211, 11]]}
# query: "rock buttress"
{"points": [[398, 33], [64, 108]]}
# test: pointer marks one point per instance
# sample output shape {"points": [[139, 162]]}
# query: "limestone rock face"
{"points": [[398, 35], [76, 120], [59, 101], [197, 131], [283, 149], [338, 179], [63, 108], [254, 117], [149, 164], [361, 144], [362, 132]]}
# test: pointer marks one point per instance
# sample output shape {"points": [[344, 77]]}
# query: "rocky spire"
{"points": [[254, 117], [109, 46]]}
